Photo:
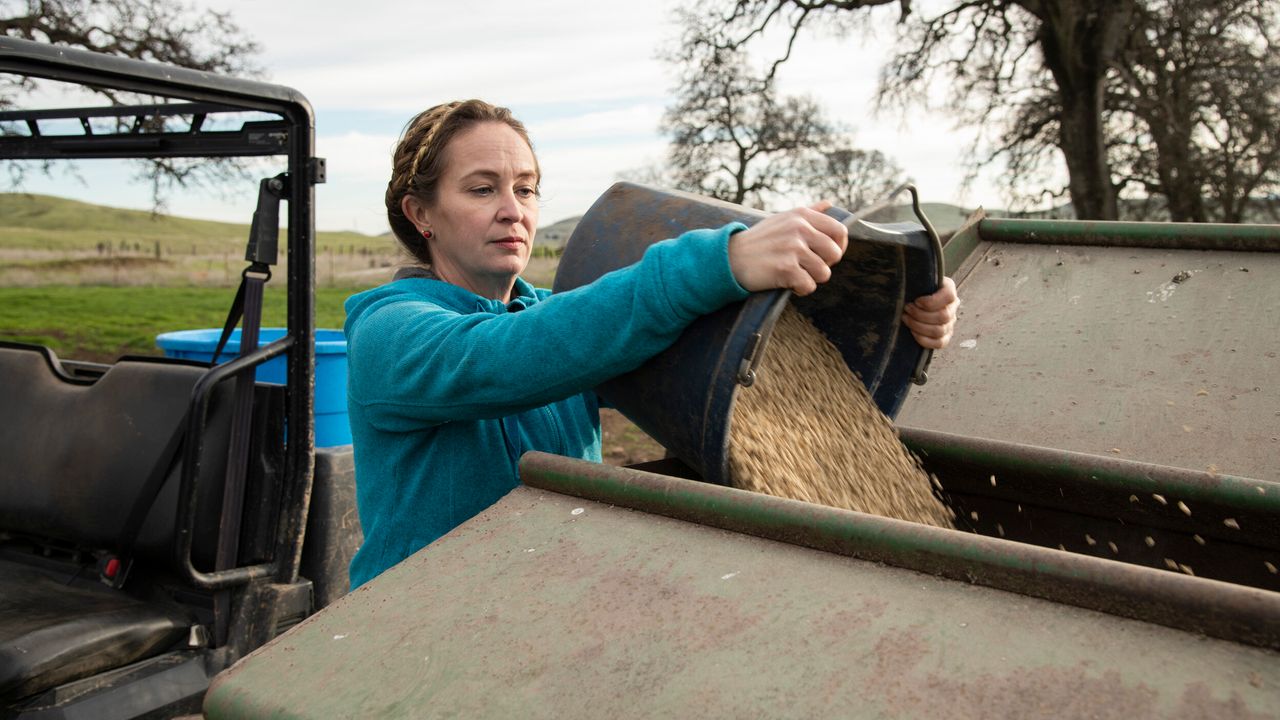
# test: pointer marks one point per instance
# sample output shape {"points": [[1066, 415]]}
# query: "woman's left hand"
{"points": [[932, 318]]}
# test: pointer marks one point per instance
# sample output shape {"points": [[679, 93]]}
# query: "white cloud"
{"points": [[358, 166], [635, 121], [576, 176], [356, 156], [406, 55]]}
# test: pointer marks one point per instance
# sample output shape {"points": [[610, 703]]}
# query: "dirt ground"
{"points": [[624, 443]]}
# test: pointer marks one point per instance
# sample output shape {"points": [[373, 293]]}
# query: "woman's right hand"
{"points": [[793, 249]]}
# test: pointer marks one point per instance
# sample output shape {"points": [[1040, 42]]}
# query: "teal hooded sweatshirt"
{"points": [[447, 389]]}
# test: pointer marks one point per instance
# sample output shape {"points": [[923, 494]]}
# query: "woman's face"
{"points": [[486, 210]]}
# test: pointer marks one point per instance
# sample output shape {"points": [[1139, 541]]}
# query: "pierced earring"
{"points": [[426, 234]]}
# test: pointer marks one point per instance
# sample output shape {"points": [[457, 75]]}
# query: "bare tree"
{"points": [[166, 31], [1196, 107], [998, 55], [849, 177], [734, 137], [1176, 97]]}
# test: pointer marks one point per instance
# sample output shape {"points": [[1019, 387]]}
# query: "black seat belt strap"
{"points": [[233, 318], [114, 569], [261, 252]]}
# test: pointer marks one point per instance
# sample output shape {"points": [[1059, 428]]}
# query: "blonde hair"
{"points": [[418, 161]]}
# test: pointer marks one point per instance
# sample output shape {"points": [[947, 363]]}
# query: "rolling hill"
{"points": [[51, 223]]}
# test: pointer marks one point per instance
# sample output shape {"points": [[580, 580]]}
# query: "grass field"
{"points": [[102, 323]]}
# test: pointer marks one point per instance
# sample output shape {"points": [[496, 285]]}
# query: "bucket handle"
{"points": [[754, 353], [854, 223]]}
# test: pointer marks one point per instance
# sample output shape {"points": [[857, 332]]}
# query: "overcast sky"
{"points": [[582, 75]]}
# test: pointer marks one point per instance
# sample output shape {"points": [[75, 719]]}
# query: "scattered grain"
{"points": [[1199, 540], [1089, 539], [1186, 569], [1160, 499], [1114, 549], [1231, 523], [807, 429], [1271, 568], [1150, 541], [1183, 507], [1170, 564]]}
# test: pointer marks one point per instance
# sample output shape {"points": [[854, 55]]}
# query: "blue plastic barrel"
{"points": [[332, 426]]}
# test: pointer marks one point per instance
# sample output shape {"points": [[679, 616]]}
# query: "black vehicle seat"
{"points": [[51, 632], [75, 454]]}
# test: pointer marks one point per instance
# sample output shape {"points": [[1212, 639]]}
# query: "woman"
{"points": [[458, 366]]}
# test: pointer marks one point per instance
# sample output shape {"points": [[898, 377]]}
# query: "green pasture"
{"points": [[51, 223], [102, 323]]}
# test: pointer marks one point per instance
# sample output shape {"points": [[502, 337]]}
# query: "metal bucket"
{"points": [[683, 397]]}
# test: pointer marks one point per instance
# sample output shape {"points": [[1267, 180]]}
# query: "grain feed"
{"points": [[807, 429]]}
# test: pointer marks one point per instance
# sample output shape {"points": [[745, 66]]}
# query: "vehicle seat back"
{"points": [[77, 452]]}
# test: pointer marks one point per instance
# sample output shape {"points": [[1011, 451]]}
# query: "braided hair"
{"points": [[418, 161]]}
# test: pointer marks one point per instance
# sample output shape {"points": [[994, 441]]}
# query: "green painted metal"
{"points": [[1114, 475], [1169, 236], [1163, 356], [1221, 527], [548, 605], [961, 244]]}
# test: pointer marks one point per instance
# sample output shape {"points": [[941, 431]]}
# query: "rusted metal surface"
{"points": [[1166, 236], [548, 605], [1160, 356], [1217, 526], [1241, 614]]}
